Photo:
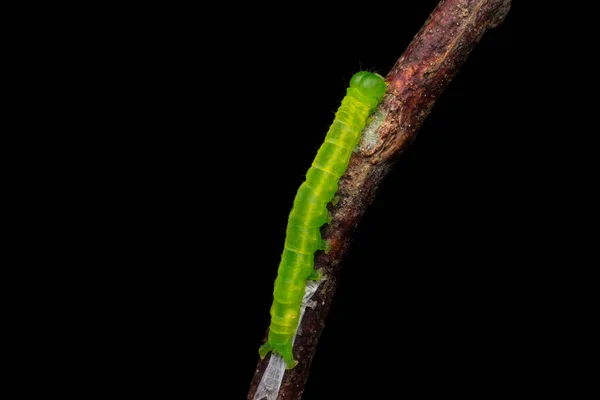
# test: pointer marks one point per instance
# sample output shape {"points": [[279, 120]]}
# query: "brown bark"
{"points": [[415, 83]]}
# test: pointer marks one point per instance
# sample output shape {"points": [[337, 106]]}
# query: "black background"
{"points": [[225, 111]]}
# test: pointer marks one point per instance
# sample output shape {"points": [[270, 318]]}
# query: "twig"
{"points": [[415, 83]]}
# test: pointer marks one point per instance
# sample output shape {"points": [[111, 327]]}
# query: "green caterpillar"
{"points": [[309, 212]]}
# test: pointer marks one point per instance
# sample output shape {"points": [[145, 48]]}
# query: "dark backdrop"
{"points": [[225, 111]]}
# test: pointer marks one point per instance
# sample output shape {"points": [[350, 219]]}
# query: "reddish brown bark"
{"points": [[415, 83]]}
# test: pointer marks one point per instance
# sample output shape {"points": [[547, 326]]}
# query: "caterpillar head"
{"points": [[369, 84]]}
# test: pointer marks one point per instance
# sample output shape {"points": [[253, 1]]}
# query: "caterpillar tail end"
{"points": [[284, 350], [265, 349]]}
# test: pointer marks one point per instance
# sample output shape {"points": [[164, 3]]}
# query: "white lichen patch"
{"points": [[369, 136]]}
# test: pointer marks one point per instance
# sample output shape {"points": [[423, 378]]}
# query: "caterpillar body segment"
{"points": [[309, 211]]}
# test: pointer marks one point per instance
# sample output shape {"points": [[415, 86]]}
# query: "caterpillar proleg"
{"points": [[309, 211]]}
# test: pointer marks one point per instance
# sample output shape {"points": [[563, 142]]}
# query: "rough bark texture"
{"points": [[415, 83]]}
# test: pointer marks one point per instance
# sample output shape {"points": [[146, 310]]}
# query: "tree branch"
{"points": [[415, 83]]}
